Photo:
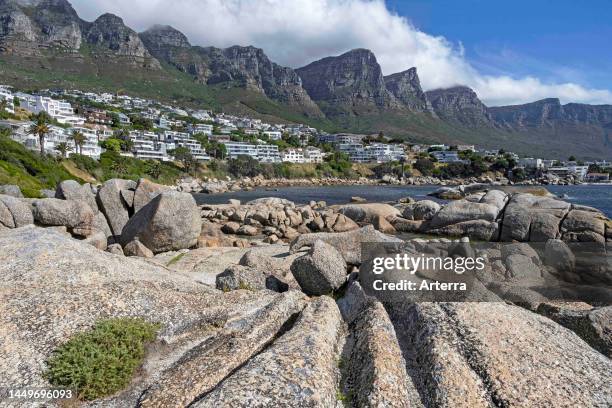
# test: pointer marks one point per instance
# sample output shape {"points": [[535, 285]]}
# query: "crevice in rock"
{"points": [[286, 326], [473, 359], [500, 217]]}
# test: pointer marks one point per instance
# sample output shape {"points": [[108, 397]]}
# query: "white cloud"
{"points": [[297, 32]]}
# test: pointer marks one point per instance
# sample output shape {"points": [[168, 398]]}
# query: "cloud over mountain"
{"points": [[297, 32]]}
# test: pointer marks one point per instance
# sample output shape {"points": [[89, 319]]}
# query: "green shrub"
{"points": [[103, 360]]}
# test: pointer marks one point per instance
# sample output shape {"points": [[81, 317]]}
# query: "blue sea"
{"points": [[598, 196]]}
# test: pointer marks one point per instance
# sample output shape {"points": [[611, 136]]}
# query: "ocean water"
{"points": [[598, 196]]}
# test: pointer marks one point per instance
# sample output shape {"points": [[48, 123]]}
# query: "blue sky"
{"points": [[557, 41], [509, 52]]}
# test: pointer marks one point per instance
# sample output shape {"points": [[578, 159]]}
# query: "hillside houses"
{"points": [[155, 130]]}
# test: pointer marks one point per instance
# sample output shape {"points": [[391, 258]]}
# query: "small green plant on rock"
{"points": [[103, 360]]}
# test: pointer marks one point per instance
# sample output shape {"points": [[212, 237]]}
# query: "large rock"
{"points": [[347, 243], [145, 191], [112, 204], [11, 190], [463, 210], [72, 190], [20, 212], [170, 221], [368, 212], [523, 209], [75, 215], [249, 278], [493, 354], [321, 271], [424, 210]]}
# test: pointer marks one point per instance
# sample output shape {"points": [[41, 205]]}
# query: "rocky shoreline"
{"points": [[269, 303], [215, 186]]}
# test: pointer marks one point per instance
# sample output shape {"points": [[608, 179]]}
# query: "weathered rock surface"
{"points": [[368, 212], [20, 212], [170, 221], [593, 325], [53, 287], [11, 190], [289, 373], [145, 191], [484, 354], [321, 271], [200, 371], [375, 372], [137, 248]]}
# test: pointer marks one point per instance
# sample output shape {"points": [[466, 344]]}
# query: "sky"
{"points": [[509, 52]]}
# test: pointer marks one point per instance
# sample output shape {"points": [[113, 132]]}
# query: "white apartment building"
{"points": [[579, 171], [235, 149], [313, 155], [60, 110], [293, 156], [174, 139], [91, 147], [203, 128], [531, 163], [355, 151], [381, 152], [147, 145], [267, 153]]}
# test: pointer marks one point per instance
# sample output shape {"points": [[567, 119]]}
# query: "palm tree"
{"points": [[3, 105], [41, 129], [63, 148], [79, 140]]}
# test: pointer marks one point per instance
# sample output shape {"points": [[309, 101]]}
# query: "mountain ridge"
{"points": [[44, 42]]}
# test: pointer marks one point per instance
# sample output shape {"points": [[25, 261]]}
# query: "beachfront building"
{"points": [[571, 169], [267, 153], [235, 149]]}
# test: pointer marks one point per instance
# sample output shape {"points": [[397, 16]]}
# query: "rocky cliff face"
{"points": [[26, 27], [459, 105], [351, 80], [406, 87], [549, 113], [244, 67], [109, 33], [29, 27]]}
